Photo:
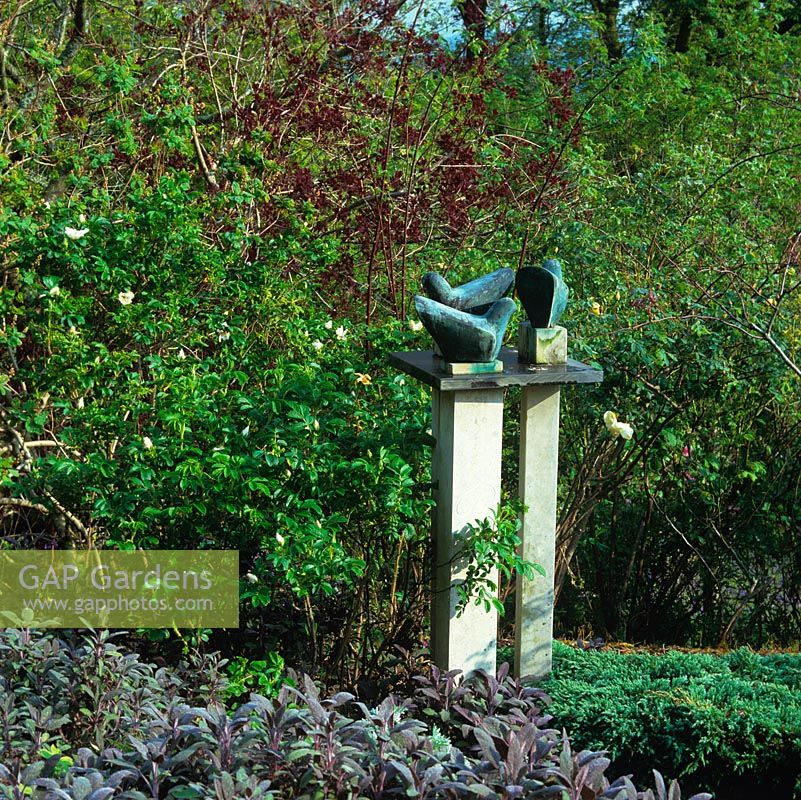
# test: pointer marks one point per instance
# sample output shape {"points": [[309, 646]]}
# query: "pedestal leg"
{"points": [[539, 455], [466, 471]]}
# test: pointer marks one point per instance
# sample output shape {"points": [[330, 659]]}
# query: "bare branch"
{"points": [[205, 168], [20, 502]]}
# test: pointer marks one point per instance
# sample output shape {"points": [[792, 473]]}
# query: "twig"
{"points": [[211, 180]]}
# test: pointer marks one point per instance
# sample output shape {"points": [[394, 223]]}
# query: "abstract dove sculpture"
{"points": [[474, 297], [543, 293], [463, 337]]}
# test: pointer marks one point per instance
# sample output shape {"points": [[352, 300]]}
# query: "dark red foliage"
{"points": [[378, 135]]}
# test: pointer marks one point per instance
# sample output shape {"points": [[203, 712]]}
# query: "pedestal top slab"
{"points": [[430, 369]]}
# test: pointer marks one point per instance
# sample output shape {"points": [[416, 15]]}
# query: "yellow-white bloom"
{"points": [[75, 233], [181, 354], [73, 330], [147, 443], [363, 378], [251, 578], [223, 336], [81, 403], [341, 332], [280, 539], [415, 325], [595, 308], [328, 325], [54, 291], [82, 218], [246, 431], [625, 430], [125, 298], [617, 428], [317, 344]]}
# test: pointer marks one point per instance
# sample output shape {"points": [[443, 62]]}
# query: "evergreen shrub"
{"points": [[732, 721]]}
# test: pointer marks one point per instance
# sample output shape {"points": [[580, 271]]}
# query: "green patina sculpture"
{"points": [[542, 292], [475, 297], [464, 337]]}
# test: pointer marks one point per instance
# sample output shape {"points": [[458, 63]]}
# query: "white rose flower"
{"points": [[54, 291], [251, 578], [626, 431], [82, 218], [341, 332], [328, 325], [81, 403], [147, 443], [280, 539], [75, 233], [125, 298], [415, 325], [317, 344], [616, 428]]}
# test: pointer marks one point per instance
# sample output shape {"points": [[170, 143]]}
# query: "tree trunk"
{"points": [[542, 27], [607, 10], [792, 18], [474, 17], [682, 43]]}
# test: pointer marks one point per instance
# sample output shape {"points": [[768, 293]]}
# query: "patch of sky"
{"points": [[562, 28]]}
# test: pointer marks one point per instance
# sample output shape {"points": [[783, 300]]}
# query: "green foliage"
{"points": [[168, 378], [729, 721], [683, 232], [263, 676], [206, 410], [488, 546], [177, 262]]}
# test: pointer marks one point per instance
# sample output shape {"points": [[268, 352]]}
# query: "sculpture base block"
{"points": [[542, 345], [474, 368]]}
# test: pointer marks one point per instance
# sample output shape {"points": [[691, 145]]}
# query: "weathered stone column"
{"points": [[538, 467], [466, 472]]}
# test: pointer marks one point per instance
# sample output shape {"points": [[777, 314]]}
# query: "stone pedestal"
{"points": [[538, 467], [542, 345], [468, 428], [467, 425]]}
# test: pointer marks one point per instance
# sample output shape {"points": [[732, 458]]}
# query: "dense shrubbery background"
{"points": [[270, 181]]}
